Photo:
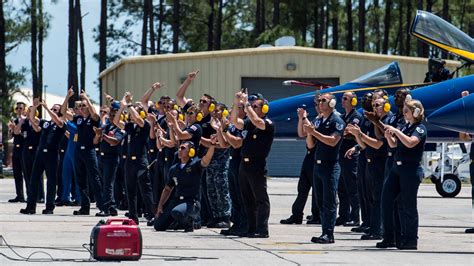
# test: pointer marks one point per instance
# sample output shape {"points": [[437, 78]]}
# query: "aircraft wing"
{"points": [[437, 32]]}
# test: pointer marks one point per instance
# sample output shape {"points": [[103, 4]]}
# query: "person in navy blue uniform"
{"points": [[230, 136], [375, 147], [87, 170], [109, 136], [361, 165], [258, 132], [305, 181], [31, 142], [349, 206], [47, 157], [185, 178], [136, 166], [14, 130], [405, 176], [327, 131]]}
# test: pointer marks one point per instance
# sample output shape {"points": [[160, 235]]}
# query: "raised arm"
{"points": [[91, 108], [181, 100], [33, 119], [63, 109], [207, 158], [147, 96], [234, 115], [56, 119]]}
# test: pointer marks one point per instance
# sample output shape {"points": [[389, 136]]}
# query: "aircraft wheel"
{"points": [[450, 187]]}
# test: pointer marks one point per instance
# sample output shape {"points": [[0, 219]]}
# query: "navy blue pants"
{"points": [[253, 185], [18, 173], [136, 177], [392, 224], [403, 182], [28, 157], [108, 165], [238, 214], [362, 190], [183, 212], [87, 172], [44, 162], [325, 180], [374, 175], [70, 185], [349, 206], [305, 183]]}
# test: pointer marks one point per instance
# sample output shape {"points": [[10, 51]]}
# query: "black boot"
{"points": [[292, 220]]}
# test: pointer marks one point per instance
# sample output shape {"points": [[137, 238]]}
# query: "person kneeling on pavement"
{"points": [[185, 176]]}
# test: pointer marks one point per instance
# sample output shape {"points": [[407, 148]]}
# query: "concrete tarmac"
{"points": [[442, 240]]}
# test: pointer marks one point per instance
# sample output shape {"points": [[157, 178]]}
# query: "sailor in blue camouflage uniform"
{"points": [[405, 176], [376, 155], [327, 132], [47, 157], [217, 178], [349, 206]]}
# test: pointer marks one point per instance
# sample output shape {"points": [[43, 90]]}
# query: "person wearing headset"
{"points": [[258, 133], [305, 181], [376, 155], [349, 206], [361, 165], [185, 179], [136, 165], [405, 177], [327, 131]]}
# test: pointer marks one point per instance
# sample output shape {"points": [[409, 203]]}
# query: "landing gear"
{"points": [[449, 187]]}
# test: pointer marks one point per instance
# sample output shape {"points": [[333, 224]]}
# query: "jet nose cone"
{"points": [[457, 115]]}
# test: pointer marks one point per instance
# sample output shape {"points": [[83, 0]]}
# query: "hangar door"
{"points": [[287, 154]]}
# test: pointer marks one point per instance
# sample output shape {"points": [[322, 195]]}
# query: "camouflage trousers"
{"points": [[217, 182]]}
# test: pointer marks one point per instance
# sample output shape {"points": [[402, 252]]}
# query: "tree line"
{"points": [[147, 27]]}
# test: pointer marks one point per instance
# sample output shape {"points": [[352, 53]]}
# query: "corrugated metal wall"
{"points": [[221, 72]]}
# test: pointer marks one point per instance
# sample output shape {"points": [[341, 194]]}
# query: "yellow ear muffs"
{"points": [[181, 117], [265, 108], [354, 101], [37, 113], [385, 97], [212, 106], [125, 117], [387, 107], [175, 107], [225, 113], [199, 117], [142, 114], [122, 117], [192, 152], [157, 105]]}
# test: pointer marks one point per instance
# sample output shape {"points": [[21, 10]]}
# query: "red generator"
{"points": [[116, 239]]}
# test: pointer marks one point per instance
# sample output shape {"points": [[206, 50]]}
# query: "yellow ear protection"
{"points": [[142, 114], [124, 117], [181, 117], [37, 113], [225, 113], [386, 106], [175, 107], [265, 107], [192, 150], [212, 107], [354, 99], [199, 116]]}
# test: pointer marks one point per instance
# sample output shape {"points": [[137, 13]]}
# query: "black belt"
{"points": [[325, 161], [405, 162], [108, 154]]}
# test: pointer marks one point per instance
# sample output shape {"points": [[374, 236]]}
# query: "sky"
{"points": [[55, 49]]}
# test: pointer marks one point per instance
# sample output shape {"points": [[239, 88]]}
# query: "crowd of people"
{"points": [[183, 164]]}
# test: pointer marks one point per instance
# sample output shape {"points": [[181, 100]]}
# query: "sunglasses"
{"points": [[203, 101], [190, 113], [254, 106], [54, 110], [82, 105], [19, 108], [182, 148], [323, 100], [103, 112], [345, 98], [377, 105]]}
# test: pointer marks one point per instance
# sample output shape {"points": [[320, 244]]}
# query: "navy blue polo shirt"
{"points": [[414, 154], [207, 131], [137, 139], [257, 143], [186, 179], [85, 131], [354, 118], [31, 137], [112, 131], [51, 135], [195, 131], [235, 153], [372, 153], [17, 138], [397, 121], [471, 151], [333, 125]]}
